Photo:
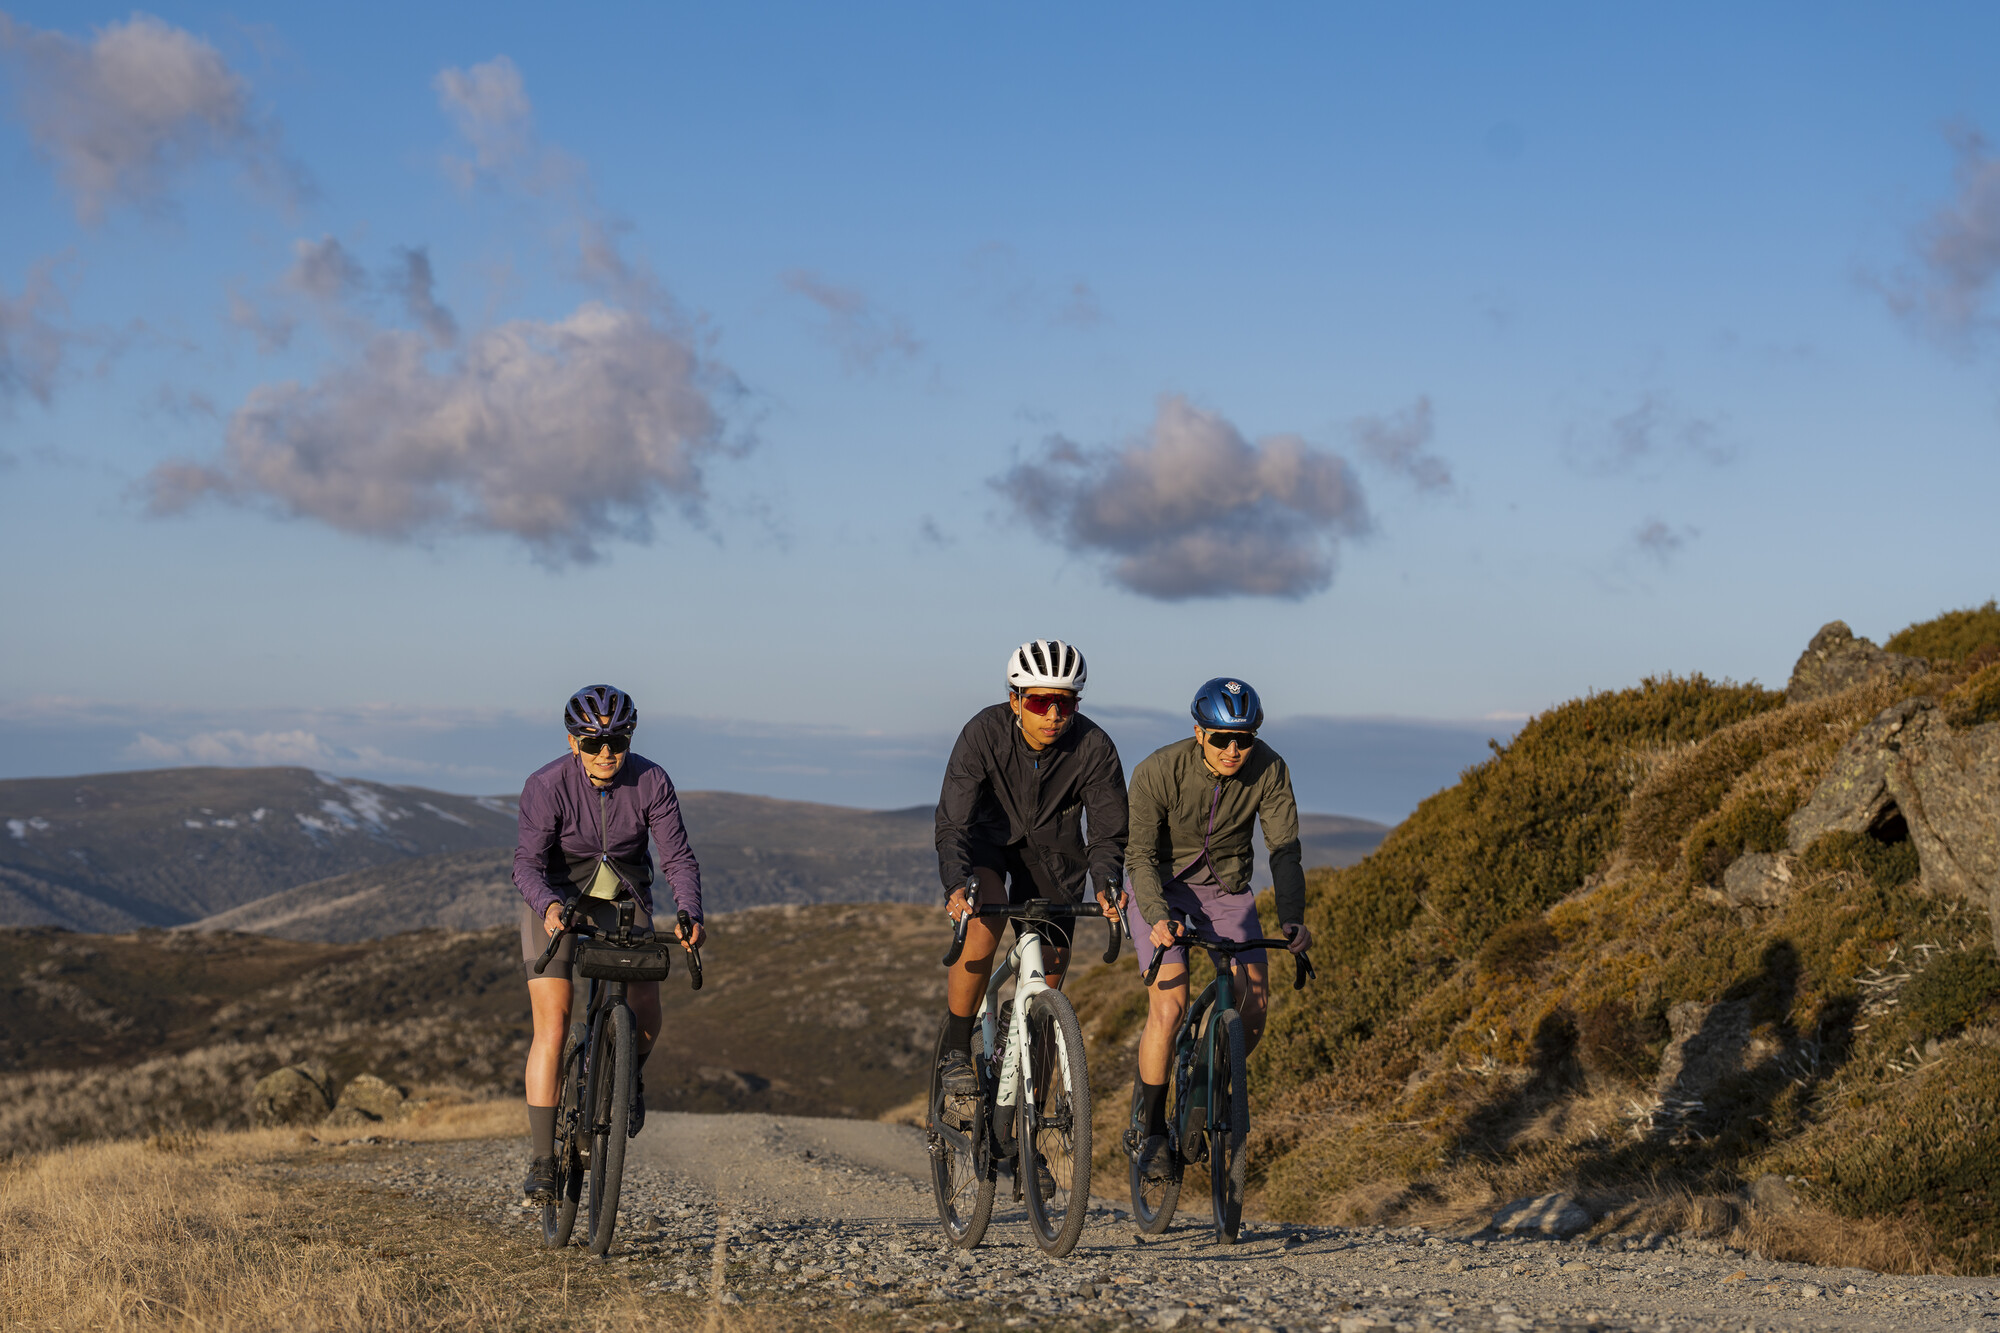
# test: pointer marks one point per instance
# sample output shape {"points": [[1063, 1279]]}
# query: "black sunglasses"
{"points": [[1222, 740], [597, 744]]}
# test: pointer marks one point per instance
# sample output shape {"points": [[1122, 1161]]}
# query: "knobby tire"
{"points": [[1228, 1125], [611, 1106], [1060, 1133], [559, 1218], [964, 1192]]}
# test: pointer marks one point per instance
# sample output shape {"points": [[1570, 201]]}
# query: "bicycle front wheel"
{"points": [[1054, 1161], [559, 1218], [1228, 1125], [962, 1175], [1153, 1201], [611, 1106]]}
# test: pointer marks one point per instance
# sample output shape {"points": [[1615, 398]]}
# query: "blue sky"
{"points": [[371, 378]]}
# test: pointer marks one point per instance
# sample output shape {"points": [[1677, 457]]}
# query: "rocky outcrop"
{"points": [[1910, 774], [1836, 660], [1758, 879], [366, 1100], [295, 1095]]}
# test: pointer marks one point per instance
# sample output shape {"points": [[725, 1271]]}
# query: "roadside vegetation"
{"points": [[1499, 986]]}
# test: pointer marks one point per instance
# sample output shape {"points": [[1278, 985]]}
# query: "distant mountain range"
{"points": [[310, 856]]}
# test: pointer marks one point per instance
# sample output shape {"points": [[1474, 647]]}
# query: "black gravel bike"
{"points": [[1034, 1095], [1208, 1115], [600, 1064]]}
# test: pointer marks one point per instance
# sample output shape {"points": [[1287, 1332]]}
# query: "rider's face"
{"points": [[1041, 729], [1225, 761], [602, 766]]}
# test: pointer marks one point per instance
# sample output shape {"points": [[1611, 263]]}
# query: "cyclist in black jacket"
{"points": [[1010, 824]]}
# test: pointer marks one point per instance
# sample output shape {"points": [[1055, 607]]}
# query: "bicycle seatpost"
{"points": [[694, 954]]}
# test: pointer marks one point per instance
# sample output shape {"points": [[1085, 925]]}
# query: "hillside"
{"points": [[117, 851], [1697, 955], [817, 1010]]}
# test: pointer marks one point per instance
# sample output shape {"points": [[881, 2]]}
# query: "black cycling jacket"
{"points": [[999, 792]]}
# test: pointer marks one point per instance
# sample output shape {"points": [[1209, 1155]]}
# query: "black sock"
{"points": [[1153, 1101], [957, 1032], [542, 1129]]}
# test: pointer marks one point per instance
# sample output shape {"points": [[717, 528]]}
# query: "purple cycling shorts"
{"points": [[1212, 911]]}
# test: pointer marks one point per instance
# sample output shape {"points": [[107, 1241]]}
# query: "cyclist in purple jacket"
{"points": [[585, 820]]}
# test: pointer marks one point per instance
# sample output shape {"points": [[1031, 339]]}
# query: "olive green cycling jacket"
{"points": [[1178, 806]]}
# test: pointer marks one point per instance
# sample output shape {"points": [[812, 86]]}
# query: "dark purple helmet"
{"points": [[1227, 704], [600, 701]]}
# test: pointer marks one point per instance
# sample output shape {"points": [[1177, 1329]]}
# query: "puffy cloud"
{"points": [[562, 434], [859, 330], [1397, 443], [1958, 250], [1192, 509], [120, 114]]}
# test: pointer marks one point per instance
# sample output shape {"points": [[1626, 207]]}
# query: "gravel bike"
{"points": [[1209, 1095], [600, 1064], [1034, 1095]]}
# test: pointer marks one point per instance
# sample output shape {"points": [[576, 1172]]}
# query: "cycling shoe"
{"points": [[541, 1183], [955, 1071], [1045, 1184], [636, 1121], [1155, 1162]]}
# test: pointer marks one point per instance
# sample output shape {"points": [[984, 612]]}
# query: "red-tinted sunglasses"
{"points": [[1040, 704]]}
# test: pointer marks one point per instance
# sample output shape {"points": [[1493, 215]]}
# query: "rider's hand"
{"points": [[1110, 904], [1301, 938], [691, 935], [957, 907], [1165, 934], [552, 919]]}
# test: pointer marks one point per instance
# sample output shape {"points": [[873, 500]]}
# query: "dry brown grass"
{"points": [[200, 1232]]}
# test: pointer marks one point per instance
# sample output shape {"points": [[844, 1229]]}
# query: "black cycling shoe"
{"points": [[955, 1071], [1045, 1184], [636, 1121], [541, 1183], [1155, 1162]]}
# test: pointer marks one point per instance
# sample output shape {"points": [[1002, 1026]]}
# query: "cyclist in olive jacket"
{"points": [[1010, 827], [1193, 806]]}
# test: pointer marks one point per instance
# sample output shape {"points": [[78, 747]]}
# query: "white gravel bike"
{"points": [[1033, 1102]]}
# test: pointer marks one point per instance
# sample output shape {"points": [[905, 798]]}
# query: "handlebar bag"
{"points": [[610, 962]]}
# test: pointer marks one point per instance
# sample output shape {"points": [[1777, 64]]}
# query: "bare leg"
{"points": [[1165, 1003], [548, 998]]}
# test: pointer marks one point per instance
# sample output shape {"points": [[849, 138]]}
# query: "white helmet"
{"points": [[1046, 664]]}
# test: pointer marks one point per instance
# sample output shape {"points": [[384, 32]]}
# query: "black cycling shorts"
{"points": [[1026, 881], [535, 936]]}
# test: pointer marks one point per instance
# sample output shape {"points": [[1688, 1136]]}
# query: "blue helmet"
{"points": [[1227, 704], [600, 701]]}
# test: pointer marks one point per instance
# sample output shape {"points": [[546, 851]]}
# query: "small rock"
{"points": [[1771, 1194], [1758, 879], [1576, 1266], [1549, 1214], [1738, 1276], [294, 1095], [1808, 1291], [1714, 1215]]}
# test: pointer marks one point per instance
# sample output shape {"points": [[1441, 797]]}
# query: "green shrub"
{"points": [[1958, 987], [1951, 637], [1616, 1042], [1751, 825], [1888, 864], [1976, 700], [1514, 951]]}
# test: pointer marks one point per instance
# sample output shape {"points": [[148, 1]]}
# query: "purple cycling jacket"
{"points": [[568, 825]]}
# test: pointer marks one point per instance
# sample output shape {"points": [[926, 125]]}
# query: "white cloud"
{"points": [[1957, 249], [1660, 541], [234, 749], [1192, 509], [489, 105], [1652, 433], [1398, 443], [324, 270], [121, 114], [33, 344], [561, 434]]}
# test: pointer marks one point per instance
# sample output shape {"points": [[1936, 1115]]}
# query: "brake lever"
{"points": [[1302, 971], [555, 940], [1160, 956], [694, 954], [957, 940], [1117, 924]]}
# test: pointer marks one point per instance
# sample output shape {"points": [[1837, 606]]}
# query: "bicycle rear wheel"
{"points": [[962, 1174], [1153, 1201], [1228, 1125], [1058, 1135], [559, 1218], [610, 1107]]}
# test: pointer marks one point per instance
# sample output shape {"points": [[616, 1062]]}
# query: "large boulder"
{"points": [[375, 1098], [1836, 660], [1911, 774], [295, 1095]]}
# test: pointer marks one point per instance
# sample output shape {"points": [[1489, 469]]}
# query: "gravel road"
{"points": [[825, 1214]]}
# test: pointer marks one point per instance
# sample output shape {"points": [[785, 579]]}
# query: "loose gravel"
{"points": [[822, 1230]]}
